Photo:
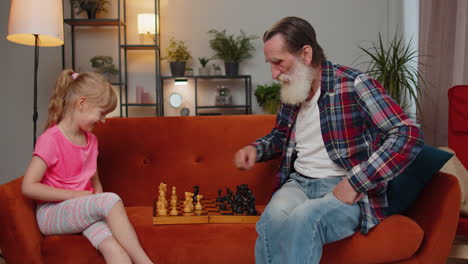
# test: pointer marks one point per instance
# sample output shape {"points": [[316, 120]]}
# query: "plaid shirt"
{"points": [[364, 131]]}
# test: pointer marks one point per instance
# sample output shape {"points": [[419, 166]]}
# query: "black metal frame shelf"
{"points": [[84, 22], [135, 104], [247, 84], [121, 25], [136, 47], [140, 47], [222, 106]]}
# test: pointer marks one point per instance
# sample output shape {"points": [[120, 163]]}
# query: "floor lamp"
{"points": [[36, 23]]}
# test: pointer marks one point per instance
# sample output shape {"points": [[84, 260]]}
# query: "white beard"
{"points": [[295, 87]]}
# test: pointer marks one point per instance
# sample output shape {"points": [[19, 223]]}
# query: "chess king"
{"points": [[341, 139]]}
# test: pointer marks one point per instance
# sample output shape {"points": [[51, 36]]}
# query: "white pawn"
{"points": [[199, 207], [174, 207]]}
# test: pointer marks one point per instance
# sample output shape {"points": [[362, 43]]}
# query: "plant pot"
{"points": [[203, 71], [232, 68], [178, 68], [91, 13], [271, 106]]}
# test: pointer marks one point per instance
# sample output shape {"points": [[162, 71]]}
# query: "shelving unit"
{"points": [[247, 107], [124, 58]]}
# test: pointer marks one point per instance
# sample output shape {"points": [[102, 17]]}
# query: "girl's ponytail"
{"points": [[58, 99]]}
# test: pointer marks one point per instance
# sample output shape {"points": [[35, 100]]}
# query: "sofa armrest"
{"points": [[436, 211], [20, 238]]}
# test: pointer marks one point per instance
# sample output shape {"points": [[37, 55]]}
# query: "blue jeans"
{"points": [[301, 217]]}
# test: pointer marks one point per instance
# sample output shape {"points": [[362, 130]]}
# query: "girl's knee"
{"points": [[110, 197], [107, 201]]}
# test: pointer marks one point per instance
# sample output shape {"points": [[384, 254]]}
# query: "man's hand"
{"points": [[344, 192], [245, 158]]}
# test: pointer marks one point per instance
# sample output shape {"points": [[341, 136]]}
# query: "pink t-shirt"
{"points": [[69, 166]]}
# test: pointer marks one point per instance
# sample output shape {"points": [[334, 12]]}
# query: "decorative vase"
{"points": [[178, 68], [91, 13], [203, 71], [232, 68]]}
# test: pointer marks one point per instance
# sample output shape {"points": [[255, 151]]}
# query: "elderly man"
{"points": [[341, 139]]}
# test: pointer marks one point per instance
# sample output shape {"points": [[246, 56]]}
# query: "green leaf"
{"points": [[392, 67]]}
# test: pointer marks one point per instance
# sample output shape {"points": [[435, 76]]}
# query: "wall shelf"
{"points": [[84, 22], [139, 47], [124, 78], [247, 106]]}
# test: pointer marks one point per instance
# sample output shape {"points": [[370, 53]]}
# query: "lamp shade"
{"points": [[33, 17], [146, 23]]}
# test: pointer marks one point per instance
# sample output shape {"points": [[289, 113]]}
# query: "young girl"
{"points": [[62, 174]]}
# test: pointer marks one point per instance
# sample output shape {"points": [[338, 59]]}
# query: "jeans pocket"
{"points": [[336, 199]]}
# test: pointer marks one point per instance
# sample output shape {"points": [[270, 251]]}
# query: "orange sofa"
{"points": [[136, 154]]}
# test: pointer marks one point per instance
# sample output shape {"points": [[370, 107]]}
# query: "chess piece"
{"points": [[199, 207], [251, 207], [161, 208], [174, 194], [162, 193], [174, 207], [162, 202], [219, 199], [188, 203], [196, 190]]}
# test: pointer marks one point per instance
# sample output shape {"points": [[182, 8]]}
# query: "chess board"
{"points": [[210, 214]]}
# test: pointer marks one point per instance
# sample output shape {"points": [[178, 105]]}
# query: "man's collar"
{"points": [[328, 76]]}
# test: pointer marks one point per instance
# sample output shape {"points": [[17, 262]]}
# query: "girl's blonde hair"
{"points": [[71, 85]]}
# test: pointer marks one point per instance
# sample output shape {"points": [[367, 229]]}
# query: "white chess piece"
{"points": [[199, 207]]}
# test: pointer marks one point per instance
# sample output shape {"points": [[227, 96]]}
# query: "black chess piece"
{"points": [[222, 207], [229, 196], [196, 190], [219, 199], [251, 207]]}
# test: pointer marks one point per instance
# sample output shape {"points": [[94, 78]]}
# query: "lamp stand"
{"points": [[36, 64]]}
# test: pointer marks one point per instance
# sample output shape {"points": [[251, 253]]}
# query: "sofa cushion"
{"points": [[397, 237], [403, 190]]}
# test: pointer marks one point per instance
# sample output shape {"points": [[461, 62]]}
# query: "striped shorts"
{"points": [[80, 215]]}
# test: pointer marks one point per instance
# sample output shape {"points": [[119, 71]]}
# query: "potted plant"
{"points": [[392, 67], [232, 49], [268, 97], [104, 65], [91, 7], [178, 55], [203, 70], [189, 71]]}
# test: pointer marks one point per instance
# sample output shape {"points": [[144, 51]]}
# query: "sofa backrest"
{"points": [[137, 154], [458, 122]]}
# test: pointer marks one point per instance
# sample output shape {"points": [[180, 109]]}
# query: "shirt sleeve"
{"points": [[46, 149], [402, 138], [272, 144]]}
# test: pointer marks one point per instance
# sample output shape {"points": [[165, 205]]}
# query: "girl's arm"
{"points": [[96, 183], [34, 189]]}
